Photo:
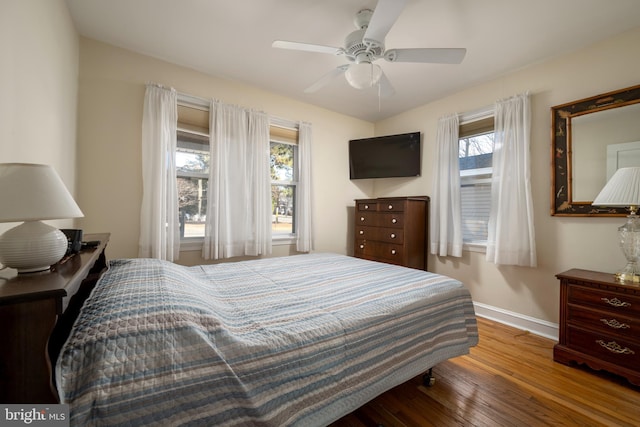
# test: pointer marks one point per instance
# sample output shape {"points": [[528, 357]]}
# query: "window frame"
{"points": [[195, 128], [278, 129], [480, 175]]}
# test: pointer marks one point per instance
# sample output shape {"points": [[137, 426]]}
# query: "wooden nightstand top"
{"points": [[60, 281], [598, 277]]}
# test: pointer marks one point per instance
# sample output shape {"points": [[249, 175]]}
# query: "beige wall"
{"points": [[562, 243], [39, 81], [39, 51], [112, 84]]}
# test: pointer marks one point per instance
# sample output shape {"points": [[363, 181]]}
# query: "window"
{"points": [[475, 153], [192, 166], [284, 180]]}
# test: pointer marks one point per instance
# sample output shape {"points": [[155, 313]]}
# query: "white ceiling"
{"points": [[232, 39]]}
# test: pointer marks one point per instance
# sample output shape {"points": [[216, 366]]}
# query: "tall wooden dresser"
{"points": [[394, 230], [599, 323]]}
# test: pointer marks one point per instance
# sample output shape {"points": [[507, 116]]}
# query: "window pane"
{"points": [[282, 156], [192, 165], [192, 202], [476, 151], [476, 159], [282, 202], [192, 161], [475, 204]]}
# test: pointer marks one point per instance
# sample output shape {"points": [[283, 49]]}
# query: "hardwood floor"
{"points": [[509, 379]]}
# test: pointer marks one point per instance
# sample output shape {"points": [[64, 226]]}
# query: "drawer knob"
{"points": [[613, 323], [361, 246], [614, 347], [361, 232], [362, 219], [390, 207], [393, 235], [616, 302], [366, 206], [393, 221], [393, 251]]}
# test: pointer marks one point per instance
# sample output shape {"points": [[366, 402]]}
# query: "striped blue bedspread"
{"points": [[298, 340]]}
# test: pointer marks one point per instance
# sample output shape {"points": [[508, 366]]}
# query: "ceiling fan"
{"points": [[366, 45]]}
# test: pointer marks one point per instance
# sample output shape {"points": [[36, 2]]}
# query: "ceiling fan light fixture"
{"points": [[363, 75]]}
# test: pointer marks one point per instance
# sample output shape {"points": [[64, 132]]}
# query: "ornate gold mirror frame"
{"points": [[562, 203]]}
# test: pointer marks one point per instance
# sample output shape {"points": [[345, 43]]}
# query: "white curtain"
{"points": [[304, 241], [511, 239], [159, 224], [239, 196], [446, 222]]}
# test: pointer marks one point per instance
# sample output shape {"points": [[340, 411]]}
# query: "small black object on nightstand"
{"points": [[90, 244]]}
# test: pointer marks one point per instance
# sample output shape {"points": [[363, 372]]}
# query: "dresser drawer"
{"points": [[382, 234], [378, 250], [371, 219], [376, 219], [391, 235], [604, 300], [604, 322], [391, 205], [615, 350], [367, 232], [365, 206], [391, 219]]}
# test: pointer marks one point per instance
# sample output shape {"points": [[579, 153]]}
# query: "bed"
{"points": [[298, 340]]}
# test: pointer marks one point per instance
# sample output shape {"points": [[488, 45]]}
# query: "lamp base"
{"points": [[32, 246], [629, 234], [630, 273]]}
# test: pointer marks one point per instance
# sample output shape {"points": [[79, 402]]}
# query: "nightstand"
{"points": [[36, 312], [599, 323]]}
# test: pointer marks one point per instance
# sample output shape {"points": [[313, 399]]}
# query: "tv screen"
{"points": [[385, 156]]}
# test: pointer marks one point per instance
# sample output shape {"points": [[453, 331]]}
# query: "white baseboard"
{"points": [[535, 326]]}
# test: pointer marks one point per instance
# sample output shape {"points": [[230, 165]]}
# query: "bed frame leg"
{"points": [[428, 379]]}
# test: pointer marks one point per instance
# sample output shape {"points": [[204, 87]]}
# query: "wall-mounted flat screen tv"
{"points": [[385, 156]]}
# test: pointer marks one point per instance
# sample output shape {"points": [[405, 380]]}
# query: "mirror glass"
{"points": [[606, 138], [591, 138]]}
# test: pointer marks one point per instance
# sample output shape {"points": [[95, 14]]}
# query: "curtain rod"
{"points": [[477, 114], [203, 104]]}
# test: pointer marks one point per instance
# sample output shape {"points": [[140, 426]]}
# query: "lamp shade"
{"points": [[363, 75], [623, 189], [31, 192]]}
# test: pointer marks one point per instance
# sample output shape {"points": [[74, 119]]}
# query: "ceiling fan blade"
{"points": [[384, 16], [427, 55], [282, 44], [324, 80], [386, 89]]}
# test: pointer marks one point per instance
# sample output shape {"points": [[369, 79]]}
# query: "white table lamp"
{"points": [[623, 190], [32, 193]]}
